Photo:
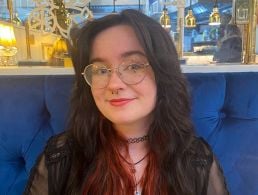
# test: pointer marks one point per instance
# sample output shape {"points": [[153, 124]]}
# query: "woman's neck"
{"points": [[132, 130]]}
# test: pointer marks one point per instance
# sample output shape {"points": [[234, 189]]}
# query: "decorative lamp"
{"points": [[190, 21], [60, 55], [165, 19], [60, 48], [215, 16], [8, 47]]}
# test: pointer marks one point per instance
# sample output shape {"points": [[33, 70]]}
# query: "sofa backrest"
{"points": [[32, 108], [224, 112]]}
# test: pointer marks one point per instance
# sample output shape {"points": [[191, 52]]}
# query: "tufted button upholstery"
{"points": [[32, 108], [207, 95], [224, 112]]}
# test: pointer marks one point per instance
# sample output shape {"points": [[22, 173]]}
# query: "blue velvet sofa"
{"points": [[224, 111]]}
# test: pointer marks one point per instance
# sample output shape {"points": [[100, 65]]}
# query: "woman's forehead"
{"points": [[116, 42]]}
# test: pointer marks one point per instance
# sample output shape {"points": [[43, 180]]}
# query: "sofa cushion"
{"points": [[207, 95], [33, 108], [237, 149], [22, 115], [57, 97], [242, 95]]}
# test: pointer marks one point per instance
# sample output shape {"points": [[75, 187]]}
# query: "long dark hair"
{"points": [[170, 133]]}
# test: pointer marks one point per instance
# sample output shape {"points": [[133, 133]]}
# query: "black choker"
{"points": [[137, 139]]}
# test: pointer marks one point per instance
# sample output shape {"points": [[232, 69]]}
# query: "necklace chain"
{"points": [[133, 164], [133, 171], [137, 139]]}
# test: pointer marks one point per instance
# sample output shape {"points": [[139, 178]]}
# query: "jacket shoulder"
{"points": [[58, 147], [200, 153]]}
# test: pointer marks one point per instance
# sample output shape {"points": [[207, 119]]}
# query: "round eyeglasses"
{"points": [[97, 75]]}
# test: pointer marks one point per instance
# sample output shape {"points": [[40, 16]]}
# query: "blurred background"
{"points": [[40, 29]]}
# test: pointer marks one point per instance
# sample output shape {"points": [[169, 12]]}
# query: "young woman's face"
{"points": [[127, 94]]}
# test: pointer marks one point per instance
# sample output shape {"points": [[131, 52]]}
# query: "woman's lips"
{"points": [[120, 101]]}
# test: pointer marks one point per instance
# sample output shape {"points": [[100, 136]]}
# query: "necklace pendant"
{"points": [[137, 193], [133, 170]]}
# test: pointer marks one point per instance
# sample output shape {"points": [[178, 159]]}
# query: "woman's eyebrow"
{"points": [[124, 55], [133, 52], [97, 59]]}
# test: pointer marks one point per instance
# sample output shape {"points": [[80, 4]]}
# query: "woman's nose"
{"points": [[115, 80]]}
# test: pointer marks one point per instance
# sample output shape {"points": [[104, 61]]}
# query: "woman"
{"points": [[130, 130]]}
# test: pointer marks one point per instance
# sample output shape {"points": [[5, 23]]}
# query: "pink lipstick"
{"points": [[120, 101]]}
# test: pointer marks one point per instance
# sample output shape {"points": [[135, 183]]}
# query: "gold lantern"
{"points": [[190, 21], [165, 19], [215, 16]]}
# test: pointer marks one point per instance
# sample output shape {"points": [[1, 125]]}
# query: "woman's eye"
{"points": [[135, 67], [100, 71]]}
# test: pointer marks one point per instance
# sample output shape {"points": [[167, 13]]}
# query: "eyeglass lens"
{"points": [[97, 75]]}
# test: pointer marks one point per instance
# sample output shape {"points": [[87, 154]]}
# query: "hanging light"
{"points": [[190, 21], [165, 19], [215, 16]]}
